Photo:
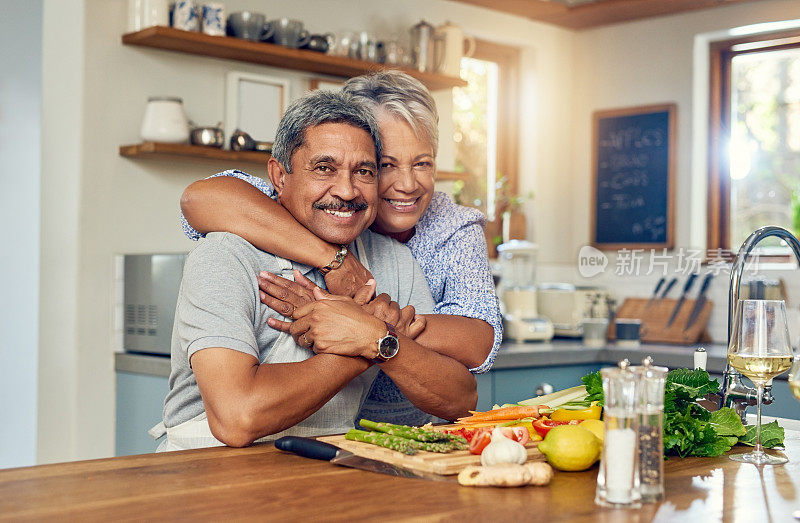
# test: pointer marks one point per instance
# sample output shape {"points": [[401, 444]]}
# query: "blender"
{"points": [[521, 320]]}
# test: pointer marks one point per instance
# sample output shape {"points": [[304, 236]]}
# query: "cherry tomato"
{"points": [[463, 432], [480, 439], [543, 425], [518, 434]]}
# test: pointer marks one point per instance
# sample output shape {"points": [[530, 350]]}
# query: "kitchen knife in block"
{"points": [[655, 292], [698, 305], [311, 448], [686, 287]]}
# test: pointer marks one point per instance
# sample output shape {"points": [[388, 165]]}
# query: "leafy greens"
{"points": [[689, 428]]}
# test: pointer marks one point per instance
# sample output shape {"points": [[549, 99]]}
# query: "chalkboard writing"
{"points": [[633, 177]]}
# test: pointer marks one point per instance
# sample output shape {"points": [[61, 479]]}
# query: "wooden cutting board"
{"points": [[444, 464]]}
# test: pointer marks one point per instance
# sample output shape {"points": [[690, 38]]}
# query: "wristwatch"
{"points": [[388, 345]]}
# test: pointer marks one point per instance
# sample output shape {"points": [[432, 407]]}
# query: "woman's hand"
{"points": [[404, 320], [334, 325], [348, 278]]}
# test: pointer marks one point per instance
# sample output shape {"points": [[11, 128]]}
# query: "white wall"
{"points": [[101, 204], [20, 178]]}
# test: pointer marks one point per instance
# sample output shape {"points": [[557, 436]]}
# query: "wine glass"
{"points": [[760, 349]]}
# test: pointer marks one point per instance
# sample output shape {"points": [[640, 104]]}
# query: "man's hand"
{"points": [[348, 278], [334, 325]]}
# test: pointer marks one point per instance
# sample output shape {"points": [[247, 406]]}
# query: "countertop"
{"points": [[261, 482], [517, 355]]}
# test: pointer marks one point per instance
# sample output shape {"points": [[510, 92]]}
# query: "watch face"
{"points": [[388, 346]]}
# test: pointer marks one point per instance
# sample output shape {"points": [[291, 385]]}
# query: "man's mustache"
{"points": [[339, 204]]}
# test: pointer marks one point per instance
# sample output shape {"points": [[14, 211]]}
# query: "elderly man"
{"points": [[235, 379]]}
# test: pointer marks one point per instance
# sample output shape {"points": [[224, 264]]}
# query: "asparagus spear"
{"points": [[383, 440], [414, 433]]}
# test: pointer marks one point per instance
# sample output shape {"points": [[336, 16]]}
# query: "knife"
{"points": [[668, 288], [701, 301], [655, 292], [311, 448], [686, 287]]}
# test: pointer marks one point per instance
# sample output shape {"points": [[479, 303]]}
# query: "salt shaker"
{"points": [[618, 477], [651, 430]]}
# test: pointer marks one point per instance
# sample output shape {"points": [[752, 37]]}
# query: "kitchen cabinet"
{"points": [[512, 385], [140, 400], [784, 406]]}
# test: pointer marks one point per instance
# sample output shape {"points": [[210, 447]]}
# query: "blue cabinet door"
{"points": [[513, 385], [140, 401]]}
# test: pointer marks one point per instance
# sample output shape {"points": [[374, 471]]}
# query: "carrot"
{"points": [[506, 413]]}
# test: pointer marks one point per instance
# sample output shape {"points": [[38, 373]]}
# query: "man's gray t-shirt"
{"points": [[219, 306]]}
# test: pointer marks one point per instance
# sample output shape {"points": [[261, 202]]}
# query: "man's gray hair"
{"points": [[403, 97], [317, 108]]}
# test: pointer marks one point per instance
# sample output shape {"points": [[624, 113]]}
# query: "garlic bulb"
{"points": [[503, 450]]}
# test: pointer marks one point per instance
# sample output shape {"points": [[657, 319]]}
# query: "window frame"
{"points": [[721, 54]]}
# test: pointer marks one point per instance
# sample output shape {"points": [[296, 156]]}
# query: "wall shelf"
{"points": [[197, 152], [241, 50], [160, 150]]}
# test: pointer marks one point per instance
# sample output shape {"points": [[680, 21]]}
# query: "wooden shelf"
{"points": [[197, 152], [160, 150], [231, 48]]}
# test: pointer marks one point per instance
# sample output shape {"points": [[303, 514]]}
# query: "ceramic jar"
{"points": [[165, 121]]}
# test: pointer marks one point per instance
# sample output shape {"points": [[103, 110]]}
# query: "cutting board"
{"points": [[444, 464]]}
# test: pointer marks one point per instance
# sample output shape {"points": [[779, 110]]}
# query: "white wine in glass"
{"points": [[760, 350]]}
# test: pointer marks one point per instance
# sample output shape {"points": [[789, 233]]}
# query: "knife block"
{"points": [[655, 318]]}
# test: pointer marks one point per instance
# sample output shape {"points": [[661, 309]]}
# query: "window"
{"points": [[754, 162], [485, 129]]}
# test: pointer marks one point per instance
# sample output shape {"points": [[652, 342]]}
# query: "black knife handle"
{"points": [[670, 285], [689, 282], [659, 285], [307, 447], [706, 281]]}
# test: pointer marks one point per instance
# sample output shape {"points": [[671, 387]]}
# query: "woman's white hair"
{"points": [[403, 97]]}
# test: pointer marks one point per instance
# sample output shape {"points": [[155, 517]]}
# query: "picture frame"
{"points": [[255, 103]]}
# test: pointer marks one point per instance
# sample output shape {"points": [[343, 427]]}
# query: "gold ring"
{"points": [[305, 341]]}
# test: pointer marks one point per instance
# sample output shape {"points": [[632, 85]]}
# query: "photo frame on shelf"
{"points": [[255, 104], [324, 84]]}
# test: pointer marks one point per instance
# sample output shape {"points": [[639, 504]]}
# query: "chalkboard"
{"points": [[633, 179]]}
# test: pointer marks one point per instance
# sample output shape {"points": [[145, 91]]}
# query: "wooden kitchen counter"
{"points": [[263, 483]]}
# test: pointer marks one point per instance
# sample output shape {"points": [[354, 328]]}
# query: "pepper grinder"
{"points": [[618, 477], [651, 430]]}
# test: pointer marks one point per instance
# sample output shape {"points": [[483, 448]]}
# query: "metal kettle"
{"points": [[422, 47]]}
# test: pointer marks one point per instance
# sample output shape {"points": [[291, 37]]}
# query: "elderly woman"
{"points": [[446, 239]]}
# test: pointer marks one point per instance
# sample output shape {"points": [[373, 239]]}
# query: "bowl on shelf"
{"points": [[210, 136]]}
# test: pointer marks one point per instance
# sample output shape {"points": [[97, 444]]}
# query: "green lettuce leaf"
{"points": [[726, 422], [771, 435], [594, 387]]}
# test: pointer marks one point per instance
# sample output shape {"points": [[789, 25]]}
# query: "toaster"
{"points": [[566, 305]]}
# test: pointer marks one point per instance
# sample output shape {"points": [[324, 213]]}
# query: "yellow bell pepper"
{"points": [[592, 412]]}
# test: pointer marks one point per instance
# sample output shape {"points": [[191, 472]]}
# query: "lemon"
{"points": [[596, 427], [570, 447]]}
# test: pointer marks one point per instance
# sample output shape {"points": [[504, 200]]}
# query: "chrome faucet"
{"points": [[734, 393]]}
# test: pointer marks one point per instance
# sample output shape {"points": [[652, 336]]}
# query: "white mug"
{"points": [[213, 18], [184, 15]]}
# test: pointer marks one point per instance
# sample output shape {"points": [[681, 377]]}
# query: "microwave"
{"points": [[151, 284]]}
